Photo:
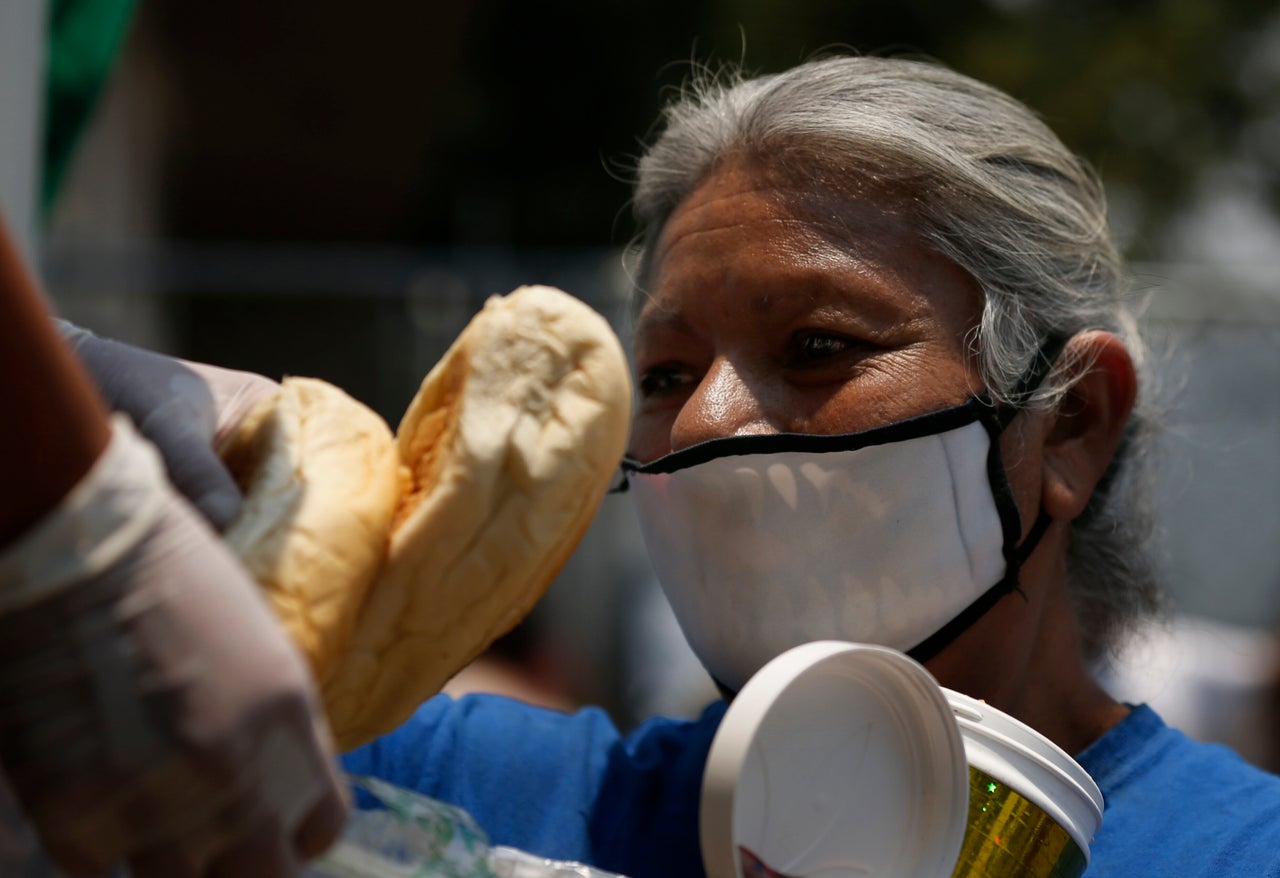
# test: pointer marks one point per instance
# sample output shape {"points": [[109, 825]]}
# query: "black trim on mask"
{"points": [[996, 419], [928, 424]]}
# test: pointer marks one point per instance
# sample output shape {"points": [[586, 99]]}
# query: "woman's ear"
{"points": [[1088, 423]]}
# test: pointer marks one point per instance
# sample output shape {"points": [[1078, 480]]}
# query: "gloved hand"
{"points": [[185, 408], [152, 710]]}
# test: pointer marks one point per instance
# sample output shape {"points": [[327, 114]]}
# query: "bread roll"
{"points": [[321, 479], [512, 441], [501, 461]]}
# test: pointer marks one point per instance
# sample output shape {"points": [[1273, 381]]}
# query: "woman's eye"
{"points": [[815, 347], [660, 380]]}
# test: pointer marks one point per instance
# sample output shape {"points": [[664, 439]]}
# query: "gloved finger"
{"points": [[183, 408], [135, 380], [164, 861], [198, 829], [76, 863], [235, 393], [20, 850], [80, 849], [192, 437], [242, 835], [321, 827], [196, 471], [25, 851], [301, 786], [182, 429], [214, 493], [90, 824], [267, 853]]}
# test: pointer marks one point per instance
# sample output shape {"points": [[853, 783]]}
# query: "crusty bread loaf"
{"points": [[504, 456], [321, 478], [512, 441]]}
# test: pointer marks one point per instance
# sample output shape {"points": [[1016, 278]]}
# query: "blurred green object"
{"points": [[408, 835], [85, 37]]}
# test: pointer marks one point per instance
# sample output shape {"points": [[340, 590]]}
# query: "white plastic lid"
{"points": [[1026, 760], [836, 759]]}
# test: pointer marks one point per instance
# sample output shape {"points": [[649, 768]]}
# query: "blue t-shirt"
{"points": [[1175, 806], [571, 787]]}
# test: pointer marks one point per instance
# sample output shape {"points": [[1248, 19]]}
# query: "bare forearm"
{"points": [[57, 425]]}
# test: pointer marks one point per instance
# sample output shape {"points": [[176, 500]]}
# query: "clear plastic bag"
{"points": [[412, 836], [511, 863]]}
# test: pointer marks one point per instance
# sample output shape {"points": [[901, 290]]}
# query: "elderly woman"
{"points": [[903, 269], [872, 254], [867, 258]]}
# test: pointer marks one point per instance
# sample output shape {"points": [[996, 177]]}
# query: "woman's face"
{"points": [[773, 309]]}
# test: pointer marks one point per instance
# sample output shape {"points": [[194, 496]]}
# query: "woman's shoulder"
{"points": [[480, 732], [1143, 752], [1174, 805]]}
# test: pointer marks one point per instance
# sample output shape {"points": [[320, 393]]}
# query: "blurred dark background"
{"points": [[498, 123], [282, 169], [330, 188]]}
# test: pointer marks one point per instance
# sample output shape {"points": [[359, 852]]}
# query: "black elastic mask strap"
{"points": [[725, 692], [1041, 365], [997, 421], [941, 638], [1028, 545], [622, 484]]}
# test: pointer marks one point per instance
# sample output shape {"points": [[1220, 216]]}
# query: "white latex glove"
{"points": [[152, 710], [185, 408]]}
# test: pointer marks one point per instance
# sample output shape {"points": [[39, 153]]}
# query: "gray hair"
{"points": [[991, 188]]}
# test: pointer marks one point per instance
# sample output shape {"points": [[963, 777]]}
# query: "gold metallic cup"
{"points": [[1008, 834], [1033, 810]]}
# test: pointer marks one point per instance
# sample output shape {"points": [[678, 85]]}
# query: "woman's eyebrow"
{"points": [[855, 295], [654, 319]]}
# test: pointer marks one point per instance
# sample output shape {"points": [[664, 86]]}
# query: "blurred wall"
{"points": [[22, 31]]}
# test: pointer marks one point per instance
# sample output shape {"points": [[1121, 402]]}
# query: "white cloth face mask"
{"points": [[900, 536]]}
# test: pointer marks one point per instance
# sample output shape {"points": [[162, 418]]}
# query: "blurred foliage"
{"points": [[84, 40], [1155, 93], [510, 123]]}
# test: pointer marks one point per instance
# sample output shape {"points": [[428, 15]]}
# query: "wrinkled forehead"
{"points": [[812, 187], [865, 213], [750, 216]]}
